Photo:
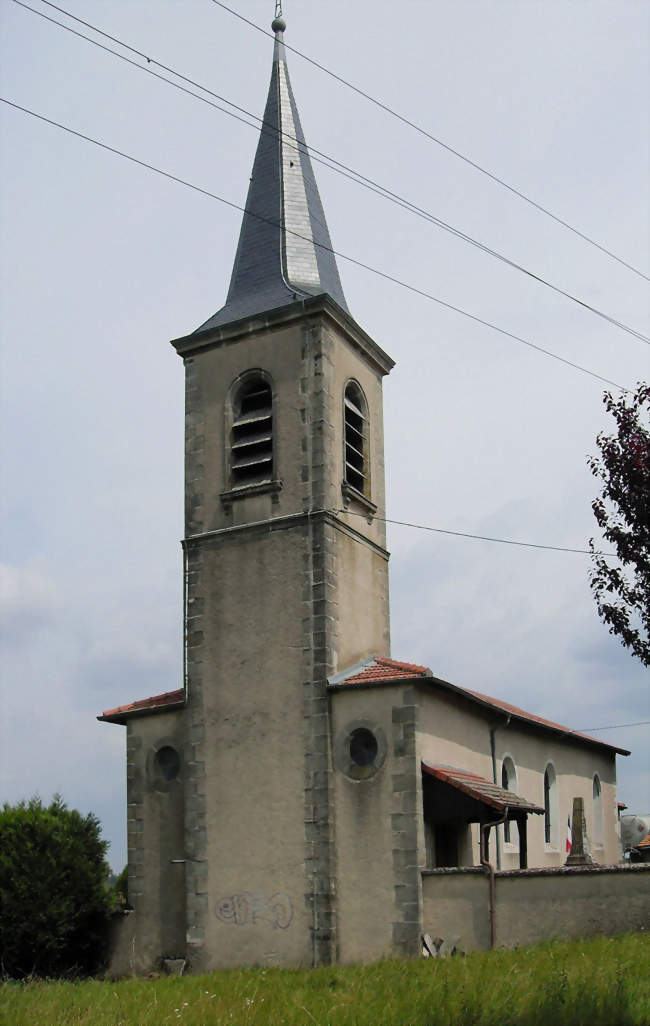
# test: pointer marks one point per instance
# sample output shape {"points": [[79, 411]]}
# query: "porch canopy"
{"points": [[451, 795]]}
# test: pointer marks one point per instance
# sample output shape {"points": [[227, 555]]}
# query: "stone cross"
{"points": [[579, 854]]}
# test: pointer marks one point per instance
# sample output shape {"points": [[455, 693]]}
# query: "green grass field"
{"points": [[600, 982]]}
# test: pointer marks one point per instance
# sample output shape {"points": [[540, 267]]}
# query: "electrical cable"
{"points": [[479, 537], [439, 142], [320, 245], [615, 726], [322, 158]]}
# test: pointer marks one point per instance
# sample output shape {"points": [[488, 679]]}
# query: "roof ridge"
{"points": [[534, 717], [389, 661], [362, 674], [378, 668]]}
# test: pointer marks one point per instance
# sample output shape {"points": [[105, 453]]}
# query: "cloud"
{"points": [[133, 667], [29, 602]]}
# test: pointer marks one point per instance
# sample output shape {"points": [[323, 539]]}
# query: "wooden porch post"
{"points": [[522, 827], [484, 848]]}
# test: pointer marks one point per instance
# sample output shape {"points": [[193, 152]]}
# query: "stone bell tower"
{"points": [[286, 573]]}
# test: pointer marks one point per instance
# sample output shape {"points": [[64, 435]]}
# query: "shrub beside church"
{"points": [[54, 898]]}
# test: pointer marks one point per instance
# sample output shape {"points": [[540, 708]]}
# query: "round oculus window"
{"points": [[168, 762], [363, 747], [360, 749]]}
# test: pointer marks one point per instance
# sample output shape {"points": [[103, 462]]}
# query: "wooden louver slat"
{"points": [[356, 443], [252, 436]]}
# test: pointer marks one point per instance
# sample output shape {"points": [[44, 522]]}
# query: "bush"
{"points": [[120, 889], [53, 890]]}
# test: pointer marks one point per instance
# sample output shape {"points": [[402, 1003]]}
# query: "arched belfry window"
{"points": [[355, 409], [251, 435]]}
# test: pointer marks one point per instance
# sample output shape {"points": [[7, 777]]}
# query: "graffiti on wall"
{"points": [[251, 909]]}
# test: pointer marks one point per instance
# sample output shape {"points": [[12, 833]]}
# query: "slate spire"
{"points": [[284, 251]]}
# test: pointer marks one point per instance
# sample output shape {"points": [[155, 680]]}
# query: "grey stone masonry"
{"points": [[194, 449], [134, 816], [195, 795], [319, 591], [406, 799]]}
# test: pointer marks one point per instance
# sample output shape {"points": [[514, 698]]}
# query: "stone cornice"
{"points": [[269, 320], [283, 523]]}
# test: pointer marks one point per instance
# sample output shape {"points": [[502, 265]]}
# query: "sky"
{"points": [[103, 262]]}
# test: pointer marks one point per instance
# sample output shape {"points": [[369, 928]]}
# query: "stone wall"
{"points": [[535, 905], [156, 851]]}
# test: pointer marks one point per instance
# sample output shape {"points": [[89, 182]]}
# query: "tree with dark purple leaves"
{"points": [[622, 591]]}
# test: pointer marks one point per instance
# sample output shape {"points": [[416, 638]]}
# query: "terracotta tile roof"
{"points": [[481, 789], [169, 700], [645, 843], [379, 670], [521, 714]]}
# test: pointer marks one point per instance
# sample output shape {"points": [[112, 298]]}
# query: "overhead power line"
{"points": [[615, 726], [439, 142], [342, 256], [480, 537], [322, 158]]}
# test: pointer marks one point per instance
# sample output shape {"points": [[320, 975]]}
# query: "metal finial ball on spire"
{"points": [[278, 24]]}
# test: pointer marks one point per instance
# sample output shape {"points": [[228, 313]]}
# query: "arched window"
{"points": [[251, 436], [550, 806], [508, 783], [597, 811], [356, 438]]}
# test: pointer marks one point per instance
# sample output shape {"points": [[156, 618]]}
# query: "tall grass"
{"points": [[600, 982]]}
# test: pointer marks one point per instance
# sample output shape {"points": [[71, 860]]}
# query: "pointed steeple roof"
{"points": [[284, 251]]}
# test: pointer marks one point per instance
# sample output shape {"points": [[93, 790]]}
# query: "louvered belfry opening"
{"points": [[252, 434], [356, 439]]}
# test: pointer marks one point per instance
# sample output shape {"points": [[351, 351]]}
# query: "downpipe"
{"points": [[485, 862]]}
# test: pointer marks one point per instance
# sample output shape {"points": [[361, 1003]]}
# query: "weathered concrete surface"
{"points": [[124, 959], [455, 903], [156, 846], [377, 840], [281, 587], [536, 905]]}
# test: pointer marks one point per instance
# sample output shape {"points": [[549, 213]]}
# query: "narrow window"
{"points": [[504, 785], [252, 433], [597, 811], [508, 783], [551, 813], [356, 439], [547, 807]]}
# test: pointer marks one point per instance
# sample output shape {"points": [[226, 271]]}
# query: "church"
{"points": [[292, 801]]}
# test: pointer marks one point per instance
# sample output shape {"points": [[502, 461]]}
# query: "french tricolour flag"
{"points": [[569, 839]]}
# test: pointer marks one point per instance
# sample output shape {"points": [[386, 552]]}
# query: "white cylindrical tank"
{"points": [[633, 830]]}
